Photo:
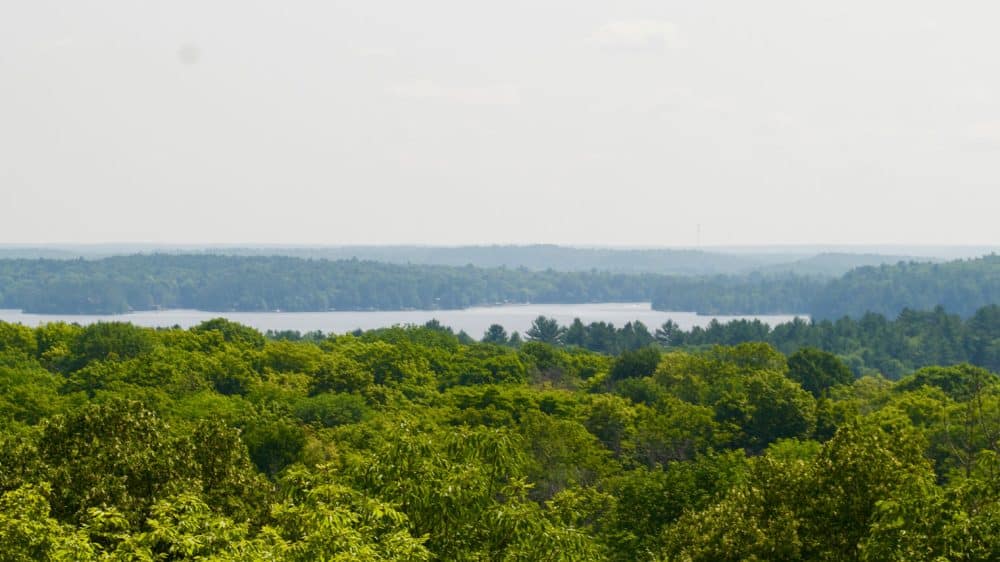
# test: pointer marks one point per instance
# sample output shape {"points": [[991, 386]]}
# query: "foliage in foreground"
{"points": [[122, 443]]}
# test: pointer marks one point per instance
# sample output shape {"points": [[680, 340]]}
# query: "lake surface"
{"points": [[474, 321]]}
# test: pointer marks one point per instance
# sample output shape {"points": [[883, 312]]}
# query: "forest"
{"points": [[264, 283], [868, 345], [409, 443]]}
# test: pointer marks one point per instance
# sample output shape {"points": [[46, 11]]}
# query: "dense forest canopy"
{"points": [[217, 443], [235, 283]]}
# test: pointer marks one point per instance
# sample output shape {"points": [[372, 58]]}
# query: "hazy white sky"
{"points": [[450, 122]]}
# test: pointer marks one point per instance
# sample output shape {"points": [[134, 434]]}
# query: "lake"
{"points": [[474, 321]]}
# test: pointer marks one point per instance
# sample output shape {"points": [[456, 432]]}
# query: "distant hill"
{"points": [[537, 257], [960, 286], [558, 258], [810, 261], [837, 264]]}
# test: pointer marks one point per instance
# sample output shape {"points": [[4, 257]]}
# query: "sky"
{"points": [[649, 123]]}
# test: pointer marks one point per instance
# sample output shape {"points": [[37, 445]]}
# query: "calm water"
{"points": [[473, 320]]}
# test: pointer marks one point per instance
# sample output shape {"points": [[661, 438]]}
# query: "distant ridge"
{"points": [[838, 263], [668, 261]]}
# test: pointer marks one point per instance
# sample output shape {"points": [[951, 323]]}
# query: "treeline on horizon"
{"points": [[668, 261], [120, 443], [232, 283]]}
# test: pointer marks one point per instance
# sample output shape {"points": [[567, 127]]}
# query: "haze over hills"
{"points": [[801, 260]]}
